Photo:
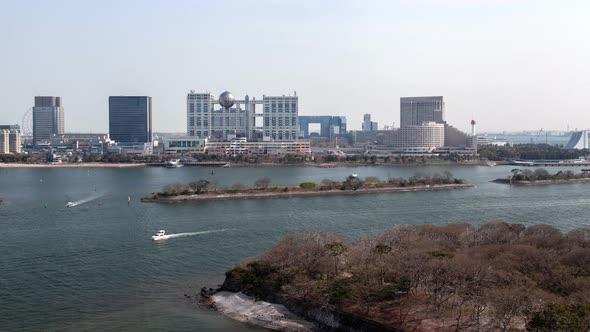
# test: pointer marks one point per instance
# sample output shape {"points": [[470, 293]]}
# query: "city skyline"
{"points": [[511, 66]]}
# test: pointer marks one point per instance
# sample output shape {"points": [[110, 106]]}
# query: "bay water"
{"points": [[94, 267]]}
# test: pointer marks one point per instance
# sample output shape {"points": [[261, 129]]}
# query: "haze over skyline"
{"points": [[511, 65]]}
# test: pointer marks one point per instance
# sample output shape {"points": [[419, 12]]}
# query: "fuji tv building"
{"points": [[272, 118]]}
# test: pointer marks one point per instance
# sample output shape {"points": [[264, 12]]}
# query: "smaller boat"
{"points": [[174, 163], [354, 175], [70, 204], [226, 165], [160, 235]]}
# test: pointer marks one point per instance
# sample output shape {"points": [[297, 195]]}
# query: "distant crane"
{"points": [[536, 138]]}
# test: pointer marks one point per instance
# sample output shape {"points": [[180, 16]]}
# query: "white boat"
{"points": [[174, 163], [160, 235], [70, 204], [354, 175]]}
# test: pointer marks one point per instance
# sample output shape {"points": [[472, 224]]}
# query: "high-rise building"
{"points": [[48, 118], [199, 107], [420, 138], [130, 119], [416, 110], [227, 118], [367, 122], [281, 117], [369, 125], [10, 139]]}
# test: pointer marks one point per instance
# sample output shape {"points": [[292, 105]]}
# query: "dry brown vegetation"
{"points": [[497, 276]]}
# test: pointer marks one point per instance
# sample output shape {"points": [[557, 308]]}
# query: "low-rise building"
{"points": [[183, 145], [243, 147], [86, 142]]}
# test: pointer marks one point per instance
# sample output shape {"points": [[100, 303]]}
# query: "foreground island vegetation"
{"points": [[208, 190], [458, 277], [542, 176]]}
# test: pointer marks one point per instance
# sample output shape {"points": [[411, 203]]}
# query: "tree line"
{"points": [[541, 174], [529, 152], [351, 182], [496, 276]]}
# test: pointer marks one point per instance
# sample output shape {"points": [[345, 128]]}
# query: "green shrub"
{"points": [[307, 185]]}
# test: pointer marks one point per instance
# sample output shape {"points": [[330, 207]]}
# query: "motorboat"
{"points": [[354, 175], [70, 204], [160, 235], [174, 163]]}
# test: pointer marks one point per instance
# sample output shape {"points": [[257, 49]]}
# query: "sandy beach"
{"points": [[70, 165]]}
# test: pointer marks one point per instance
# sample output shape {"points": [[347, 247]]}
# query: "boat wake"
{"points": [[85, 200], [171, 236]]}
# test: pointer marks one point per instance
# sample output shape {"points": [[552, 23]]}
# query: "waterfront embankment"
{"points": [[212, 196], [72, 165]]}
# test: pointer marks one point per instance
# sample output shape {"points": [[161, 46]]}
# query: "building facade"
{"points": [[281, 117], [241, 146], [183, 145], [330, 126], [86, 142], [423, 138], [226, 118], [48, 118], [416, 110], [369, 125], [130, 119], [10, 139]]}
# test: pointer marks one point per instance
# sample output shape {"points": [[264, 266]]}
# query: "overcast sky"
{"points": [[511, 64]]}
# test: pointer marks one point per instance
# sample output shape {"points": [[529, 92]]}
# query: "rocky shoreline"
{"points": [[286, 314], [303, 193]]}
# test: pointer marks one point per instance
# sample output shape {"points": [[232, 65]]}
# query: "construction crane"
{"points": [[536, 138]]}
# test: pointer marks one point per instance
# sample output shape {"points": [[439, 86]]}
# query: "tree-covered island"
{"points": [[263, 188], [457, 277], [542, 176]]}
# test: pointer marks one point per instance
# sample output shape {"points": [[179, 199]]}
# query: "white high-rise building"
{"points": [[281, 117], [10, 139], [199, 107]]}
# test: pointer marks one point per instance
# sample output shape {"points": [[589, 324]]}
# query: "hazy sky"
{"points": [[511, 64]]}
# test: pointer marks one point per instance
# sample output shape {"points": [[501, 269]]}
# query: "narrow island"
{"points": [[456, 277], [203, 190], [541, 176]]}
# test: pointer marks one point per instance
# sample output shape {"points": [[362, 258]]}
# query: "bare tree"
{"points": [[199, 186], [238, 186], [263, 182]]}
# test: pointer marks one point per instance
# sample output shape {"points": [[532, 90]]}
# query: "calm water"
{"points": [[94, 267]]}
